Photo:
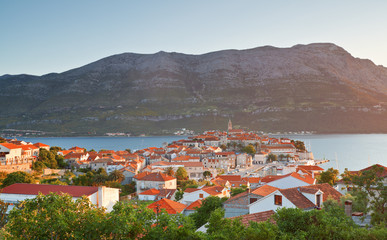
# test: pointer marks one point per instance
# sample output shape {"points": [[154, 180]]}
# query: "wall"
{"points": [[287, 182], [267, 203]]}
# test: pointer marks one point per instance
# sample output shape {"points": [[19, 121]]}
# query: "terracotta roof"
{"points": [[189, 190], [383, 174], [158, 177], [151, 191], [264, 190], [39, 145], [193, 206], [311, 167], [230, 177], [213, 190], [255, 217], [297, 198], [327, 190], [166, 193], [171, 207], [10, 145], [35, 189], [305, 178], [252, 179]]}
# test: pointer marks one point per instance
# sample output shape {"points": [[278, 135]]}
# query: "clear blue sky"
{"points": [[43, 36]]}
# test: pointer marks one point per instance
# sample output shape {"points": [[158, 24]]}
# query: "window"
{"points": [[253, 200], [278, 200], [318, 200], [200, 195]]}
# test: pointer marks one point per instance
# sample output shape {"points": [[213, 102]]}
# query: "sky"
{"points": [[44, 36]]}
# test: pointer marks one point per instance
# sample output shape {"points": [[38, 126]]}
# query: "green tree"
{"points": [[2, 140], [17, 177], [61, 162], [271, 158], [300, 145], [116, 176], [55, 149], [368, 187], [169, 171], [181, 174], [281, 157], [329, 176], [249, 149], [202, 214], [179, 195], [207, 174], [3, 213], [56, 217], [223, 147]]}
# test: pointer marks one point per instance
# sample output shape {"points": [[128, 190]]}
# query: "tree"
{"points": [[329, 176], [116, 176], [249, 149], [56, 217], [169, 171], [223, 147], [300, 145], [281, 157], [368, 187], [17, 177], [179, 195], [271, 158], [202, 214], [181, 174], [128, 150], [3, 213], [206, 174]]}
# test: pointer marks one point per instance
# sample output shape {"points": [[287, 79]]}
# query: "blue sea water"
{"points": [[352, 151]]}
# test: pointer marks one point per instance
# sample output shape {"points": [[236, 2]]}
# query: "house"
{"points": [[171, 207], [312, 169], [77, 149], [267, 198], [289, 180], [234, 180], [192, 194], [192, 207], [194, 169], [100, 196], [42, 145], [147, 180], [156, 194], [128, 174]]}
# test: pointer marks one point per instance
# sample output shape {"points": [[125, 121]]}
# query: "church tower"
{"points": [[229, 125]]}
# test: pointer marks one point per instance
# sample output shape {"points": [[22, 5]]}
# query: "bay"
{"points": [[352, 151]]}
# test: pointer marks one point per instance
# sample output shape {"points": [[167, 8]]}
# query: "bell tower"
{"points": [[229, 125]]}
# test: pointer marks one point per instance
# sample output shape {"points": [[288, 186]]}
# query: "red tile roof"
{"points": [[171, 207], [255, 217], [10, 145], [39, 145], [230, 177], [311, 167], [157, 177], [151, 191], [194, 205], [35, 189], [264, 190]]}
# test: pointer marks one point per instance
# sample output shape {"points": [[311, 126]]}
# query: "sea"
{"points": [[351, 151]]}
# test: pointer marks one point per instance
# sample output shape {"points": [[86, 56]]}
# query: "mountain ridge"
{"points": [[160, 92]]}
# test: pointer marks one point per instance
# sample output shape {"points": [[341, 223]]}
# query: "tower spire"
{"points": [[229, 125]]}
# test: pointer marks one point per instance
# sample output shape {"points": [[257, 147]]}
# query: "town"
{"points": [[253, 175]]}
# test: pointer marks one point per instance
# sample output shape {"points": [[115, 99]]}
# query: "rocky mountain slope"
{"points": [[316, 87]]}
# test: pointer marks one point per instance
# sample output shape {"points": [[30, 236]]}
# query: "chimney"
{"points": [[348, 208]]}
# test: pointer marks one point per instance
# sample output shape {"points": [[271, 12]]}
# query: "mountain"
{"points": [[317, 87]]}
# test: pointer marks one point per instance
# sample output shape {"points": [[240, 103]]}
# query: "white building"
{"points": [[100, 196]]}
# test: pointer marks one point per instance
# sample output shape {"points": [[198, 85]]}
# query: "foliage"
{"points": [[271, 158], [179, 195], [3, 213], [181, 174], [183, 184], [17, 177], [223, 147], [128, 188], [207, 174], [56, 217], [169, 171], [202, 214], [249, 149], [55, 149], [329, 176], [369, 189], [2, 140], [116, 176], [49, 159], [300, 145], [236, 191]]}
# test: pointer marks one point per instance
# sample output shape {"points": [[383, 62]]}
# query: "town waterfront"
{"points": [[353, 151]]}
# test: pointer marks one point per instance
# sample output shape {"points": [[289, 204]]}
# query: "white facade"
{"points": [[268, 203]]}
